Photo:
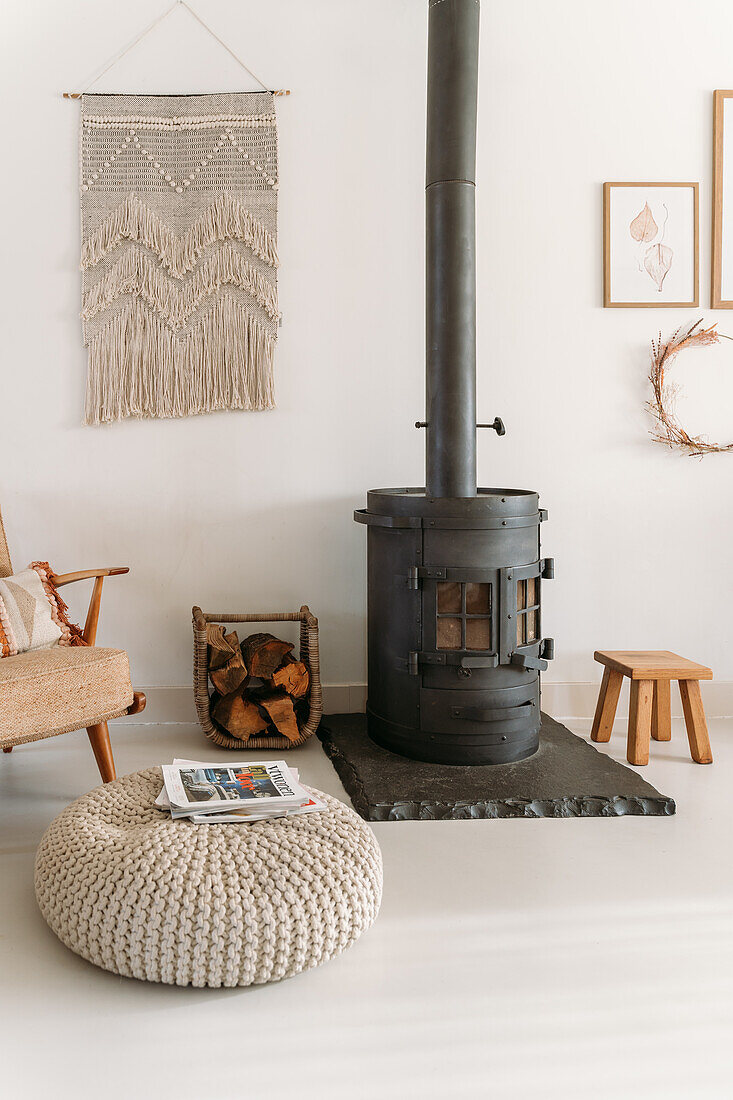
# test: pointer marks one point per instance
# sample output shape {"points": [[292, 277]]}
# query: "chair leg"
{"points": [[606, 706], [662, 711], [102, 749], [640, 722], [697, 728]]}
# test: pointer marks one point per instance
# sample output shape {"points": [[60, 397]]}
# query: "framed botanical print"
{"points": [[721, 287], [650, 245]]}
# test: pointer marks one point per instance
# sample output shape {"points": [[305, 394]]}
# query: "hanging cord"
{"points": [[148, 29], [216, 36]]}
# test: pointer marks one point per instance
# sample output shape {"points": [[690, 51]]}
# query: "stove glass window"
{"points": [[464, 616], [449, 598], [449, 633], [478, 599], [478, 633], [528, 611]]}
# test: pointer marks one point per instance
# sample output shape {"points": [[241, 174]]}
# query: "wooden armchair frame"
{"points": [[99, 733]]}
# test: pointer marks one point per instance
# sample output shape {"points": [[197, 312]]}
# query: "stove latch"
{"points": [[527, 660]]}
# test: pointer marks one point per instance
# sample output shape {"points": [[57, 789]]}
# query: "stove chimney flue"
{"points": [[453, 34]]}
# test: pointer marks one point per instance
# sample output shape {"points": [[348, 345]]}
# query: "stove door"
{"points": [[521, 626], [460, 639], [474, 699]]}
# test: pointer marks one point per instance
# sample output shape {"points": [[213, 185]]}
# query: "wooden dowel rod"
{"points": [[78, 95]]}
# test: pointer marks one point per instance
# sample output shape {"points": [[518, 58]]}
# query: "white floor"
{"points": [[585, 958]]}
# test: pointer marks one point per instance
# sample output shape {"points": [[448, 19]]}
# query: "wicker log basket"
{"points": [[308, 655]]}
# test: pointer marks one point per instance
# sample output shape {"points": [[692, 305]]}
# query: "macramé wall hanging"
{"points": [[179, 252]]}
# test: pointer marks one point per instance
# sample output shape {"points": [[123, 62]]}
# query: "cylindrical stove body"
{"points": [[455, 642]]}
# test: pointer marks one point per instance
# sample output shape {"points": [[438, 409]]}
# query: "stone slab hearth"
{"points": [[567, 777]]}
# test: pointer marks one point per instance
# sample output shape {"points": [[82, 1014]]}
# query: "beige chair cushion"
{"points": [[51, 691]]}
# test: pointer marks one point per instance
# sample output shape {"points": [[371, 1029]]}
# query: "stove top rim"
{"points": [[488, 505], [413, 491]]}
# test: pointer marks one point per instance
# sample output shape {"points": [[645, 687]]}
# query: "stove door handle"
{"points": [[525, 660], [489, 661], [491, 714]]}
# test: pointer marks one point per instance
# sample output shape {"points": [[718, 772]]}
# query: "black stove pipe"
{"points": [[453, 32]]}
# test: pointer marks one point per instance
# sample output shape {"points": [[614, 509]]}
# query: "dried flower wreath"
{"points": [[667, 428]]}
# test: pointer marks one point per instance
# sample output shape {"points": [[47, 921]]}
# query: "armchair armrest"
{"points": [[92, 619], [86, 574]]}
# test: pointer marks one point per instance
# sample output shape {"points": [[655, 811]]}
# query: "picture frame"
{"points": [[651, 245], [721, 280]]}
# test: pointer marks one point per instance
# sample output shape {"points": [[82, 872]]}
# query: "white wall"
{"points": [[253, 510]]}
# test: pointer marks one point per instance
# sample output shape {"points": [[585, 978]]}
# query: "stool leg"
{"points": [[662, 711], [640, 721], [697, 729], [606, 705], [102, 749]]}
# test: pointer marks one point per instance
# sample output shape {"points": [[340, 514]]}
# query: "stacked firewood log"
{"points": [[259, 687]]}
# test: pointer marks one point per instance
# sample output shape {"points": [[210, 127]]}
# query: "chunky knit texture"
{"points": [[206, 905]]}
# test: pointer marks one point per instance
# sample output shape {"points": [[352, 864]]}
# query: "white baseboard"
{"points": [[578, 700], [174, 705]]}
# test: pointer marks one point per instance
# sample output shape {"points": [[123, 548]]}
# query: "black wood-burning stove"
{"points": [[454, 571]]}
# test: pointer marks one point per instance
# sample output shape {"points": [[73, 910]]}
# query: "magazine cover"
{"points": [[268, 782]]}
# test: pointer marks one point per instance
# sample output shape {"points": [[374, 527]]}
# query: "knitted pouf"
{"points": [[134, 892]]}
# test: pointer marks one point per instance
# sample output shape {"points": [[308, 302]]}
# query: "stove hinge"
{"points": [[416, 573]]}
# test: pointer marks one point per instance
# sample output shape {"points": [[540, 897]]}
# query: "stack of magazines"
{"points": [[239, 793]]}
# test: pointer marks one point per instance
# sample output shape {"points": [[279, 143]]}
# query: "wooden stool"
{"points": [[649, 706]]}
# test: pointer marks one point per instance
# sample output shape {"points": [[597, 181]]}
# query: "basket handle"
{"points": [[201, 618]]}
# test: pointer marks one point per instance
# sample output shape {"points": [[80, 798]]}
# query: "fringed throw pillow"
{"points": [[32, 613]]}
